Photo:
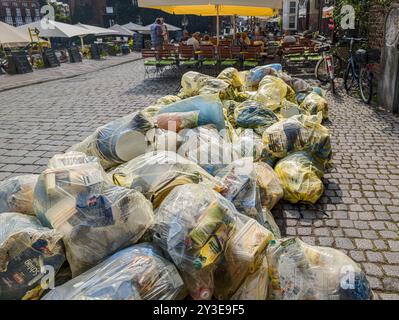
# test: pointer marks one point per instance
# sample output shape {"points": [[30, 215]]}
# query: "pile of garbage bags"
{"points": [[175, 201]]}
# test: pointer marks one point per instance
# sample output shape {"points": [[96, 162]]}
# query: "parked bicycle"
{"points": [[369, 60], [352, 73], [330, 65]]}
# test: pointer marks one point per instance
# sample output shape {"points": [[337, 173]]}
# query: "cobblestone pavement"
{"points": [[359, 213], [66, 70]]}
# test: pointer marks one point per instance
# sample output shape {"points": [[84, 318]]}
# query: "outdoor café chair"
{"points": [[150, 62], [251, 56], [187, 58], [226, 59], [207, 58]]}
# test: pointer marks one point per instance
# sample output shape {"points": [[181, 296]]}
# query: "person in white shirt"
{"points": [[195, 41]]}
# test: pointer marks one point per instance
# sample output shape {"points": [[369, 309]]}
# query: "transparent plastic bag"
{"points": [[231, 76], [25, 248], [166, 100], [193, 225], [16, 194], [243, 256], [240, 186], [209, 106], [207, 148], [290, 109], [192, 82], [299, 271], [313, 104], [257, 74], [300, 85], [272, 91], [156, 174], [269, 184], [139, 272], [251, 114], [162, 140], [176, 121], [118, 141], [255, 285], [95, 218], [300, 176], [298, 133], [217, 86], [249, 144]]}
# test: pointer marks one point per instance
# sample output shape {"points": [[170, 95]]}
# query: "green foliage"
{"points": [[361, 7]]}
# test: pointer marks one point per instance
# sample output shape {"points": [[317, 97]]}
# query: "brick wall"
{"points": [[377, 24]]}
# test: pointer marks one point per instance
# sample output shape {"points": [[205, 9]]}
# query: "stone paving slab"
{"points": [[66, 70], [358, 214]]}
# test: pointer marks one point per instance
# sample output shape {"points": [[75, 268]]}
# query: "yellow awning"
{"points": [[210, 10]]}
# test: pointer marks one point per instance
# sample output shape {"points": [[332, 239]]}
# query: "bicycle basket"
{"points": [[361, 56]]}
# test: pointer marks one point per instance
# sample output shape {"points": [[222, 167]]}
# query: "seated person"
{"points": [[185, 37], [245, 41], [206, 41], [195, 41], [237, 40]]}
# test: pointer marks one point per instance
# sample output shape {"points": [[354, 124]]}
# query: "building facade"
{"points": [[19, 12]]}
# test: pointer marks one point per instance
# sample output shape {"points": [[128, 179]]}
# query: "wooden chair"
{"points": [[226, 59], [207, 58], [187, 58], [251, 57], [150, 62]]}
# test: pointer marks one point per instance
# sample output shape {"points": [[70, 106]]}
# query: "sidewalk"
{"points": [[65, 71]]}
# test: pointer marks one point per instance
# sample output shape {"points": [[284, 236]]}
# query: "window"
{"points": [[292, 7], [18, 12], [9, 20], [25, 4], [28, 19], [291, 22], [27, 12], [37, 13], [8, 12], [18, 21]]}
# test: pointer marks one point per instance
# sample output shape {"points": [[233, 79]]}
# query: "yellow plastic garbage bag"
{"points": [[231, 76], [243, 256], [299, 133], [255, 285], [167, 100], [299, 271], [300, 176], [16, 194], [192, 82], [269, 185], [156, 174], [272, 91], [314, 103]]}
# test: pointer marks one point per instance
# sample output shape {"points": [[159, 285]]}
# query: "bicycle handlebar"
{"points": [[354, 39]]}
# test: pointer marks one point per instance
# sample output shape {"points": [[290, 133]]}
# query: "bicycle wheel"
{"points": [[366, 85], [321, 71], [349, 78]]}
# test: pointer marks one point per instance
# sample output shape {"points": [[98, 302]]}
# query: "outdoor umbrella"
{"points": [[11, 36], [54, 29], [215, 7], [133, 27], [171, 28], [122, 31], [95, 30]]}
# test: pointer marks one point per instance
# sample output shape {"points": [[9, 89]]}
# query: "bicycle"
{"points": [[329, 67], [352, 73], [369, 60]]}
